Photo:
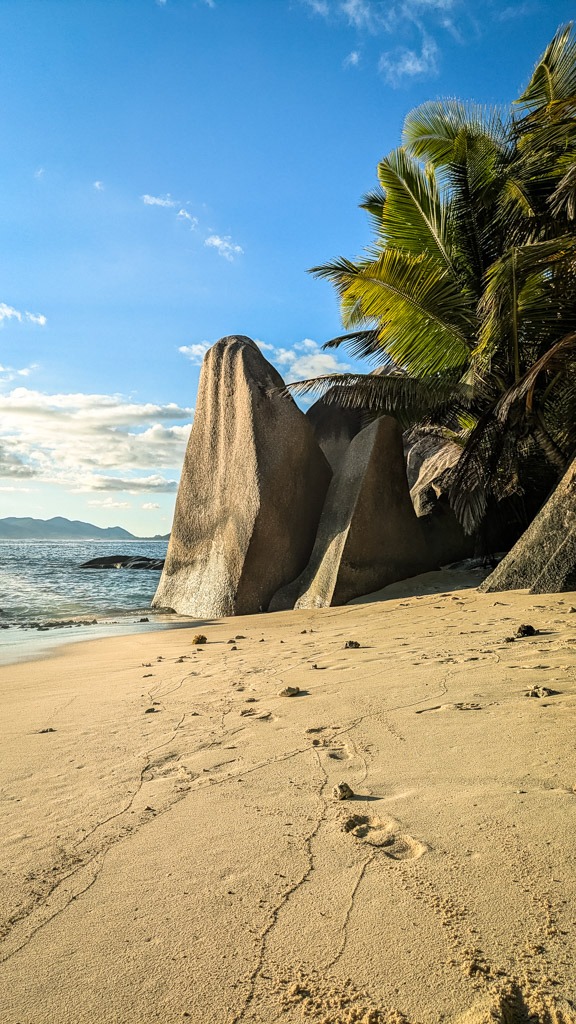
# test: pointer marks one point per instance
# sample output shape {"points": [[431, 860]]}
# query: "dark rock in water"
{"points": [[544, 559], [124, 562]]}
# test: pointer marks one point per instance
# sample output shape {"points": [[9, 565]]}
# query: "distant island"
{"points": [[58, 528]]}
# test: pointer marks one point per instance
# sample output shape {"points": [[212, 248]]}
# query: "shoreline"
{"points": [[25, 642], [167, 809]]}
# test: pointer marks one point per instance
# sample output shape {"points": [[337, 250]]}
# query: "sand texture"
{"points": [[173, 848]]}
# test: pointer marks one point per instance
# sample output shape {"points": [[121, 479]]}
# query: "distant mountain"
{"points": [[58, 528]]}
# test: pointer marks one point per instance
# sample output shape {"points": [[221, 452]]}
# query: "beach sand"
{"points": [[172, 848]]}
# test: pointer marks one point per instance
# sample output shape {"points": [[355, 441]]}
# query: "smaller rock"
{"points": [[289, 691], [539, 691], [351, 643], [144, 619], [526, 631], [239, 637], [46, 730], [342, 791], [572, 608], [199, 638], [151, 711]]}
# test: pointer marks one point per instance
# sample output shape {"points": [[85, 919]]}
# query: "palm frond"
{"points": [[406, 398], [563, 198], [413, 217], [518, 289], [426, 323], [554, 77], [440, 131], [554, 360]]}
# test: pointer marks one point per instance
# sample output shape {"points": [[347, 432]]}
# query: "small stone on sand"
{"points": [[351, 643], [539, 691], [199, 638], [342, 791], [289, 691], [526, 630]]}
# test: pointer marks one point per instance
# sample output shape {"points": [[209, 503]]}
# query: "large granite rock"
{"points": [[544, 559], [334, 427], [251, 492], [429, 462], [369, 534]]}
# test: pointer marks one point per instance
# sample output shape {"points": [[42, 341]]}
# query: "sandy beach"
{"points": [[173, 850]]}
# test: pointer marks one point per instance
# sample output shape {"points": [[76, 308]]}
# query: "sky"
{"points": [[171, 169]]}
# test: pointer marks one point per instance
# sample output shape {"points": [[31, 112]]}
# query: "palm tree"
{"points": [[466, 296]]}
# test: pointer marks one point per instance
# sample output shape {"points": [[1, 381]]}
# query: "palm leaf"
{"points": [[426, 323], [413, 216], [554, 77], [406, 398]]}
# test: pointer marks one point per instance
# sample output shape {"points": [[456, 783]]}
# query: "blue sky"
{"points": [[170, 170]]}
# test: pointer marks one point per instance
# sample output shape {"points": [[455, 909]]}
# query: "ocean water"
{"points": [[41, 582]]}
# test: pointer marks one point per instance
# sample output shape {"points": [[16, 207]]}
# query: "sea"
{"points": [[46, 597]]}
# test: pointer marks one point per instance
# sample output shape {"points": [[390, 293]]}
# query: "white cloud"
{"points": [[16, 490], [304, 360], [133, 485], [414, 21], [108, 503], [184, 215], [224, 246], [264, 346], [80, 441], [516, 11], [9, 373], [360, 13], [98, 185], [403, 63], [39, 173], [12, 464], [318, 7], [9, 313], [150, 506], [158, 200], [352, 60], [196, 352]]}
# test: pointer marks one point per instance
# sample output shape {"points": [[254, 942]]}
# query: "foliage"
{"points": [[466, 296]]}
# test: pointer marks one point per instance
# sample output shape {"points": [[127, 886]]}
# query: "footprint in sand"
{"points": [[167, 766], [451, 707], [385, 834], [338, 753]]}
